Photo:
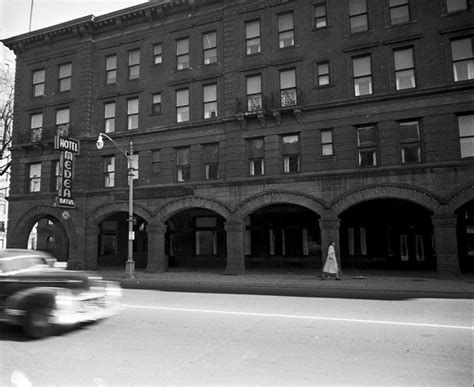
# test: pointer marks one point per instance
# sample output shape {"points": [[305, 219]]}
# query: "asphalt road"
{"points": [[219, 339]]}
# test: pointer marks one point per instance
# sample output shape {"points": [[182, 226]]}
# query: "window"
{"points": [[320, 15], [109, 171], [36, 127], [456, 5], [322, 69], [38, 83], [155, 161], [291, 153], [252, 37], [35, 177], [211, 161], [65, 76], [367, 146], [210, 101], [182, 54], [156, 103], [183, 166], [362, 75], [404, 69], [256, 152], [62, 122], [109, 117], [254, 93], [157, 53], [182, 105], [286, 32], [209, 42], [134, 64], [111, 69], [134, 166], [132, 113], [358, 15], [55, 176], [463, 59], [399, 11], [288, 88], [326, 143], [466, 135], [410, 142]]}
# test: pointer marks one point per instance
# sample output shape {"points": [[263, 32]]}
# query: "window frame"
{"points": [[210, 49], [209, 102], [320, 75], [180, 168], [133, 114], [109, 119], [405, 142], [184, 54], [360, 77], [184, 107], [255, 157], [156, 106], [253, 38], [111, 72], [363, 147], [468, 59], [327, 144], [34, 180], [65, 80], [405, 4], [281, 31], [251, 98], [134, 64], [36, 132], [211, 165], [288, 94], [317, 17], [109, 174], [469, 136], [356, 15], [446, 4], [411, 69], [288, 156], [157, 56], [38, 84]]}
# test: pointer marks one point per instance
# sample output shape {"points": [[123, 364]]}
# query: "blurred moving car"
{"points": [[39, 294]]}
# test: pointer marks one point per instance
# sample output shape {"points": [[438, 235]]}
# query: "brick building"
{"points": [[261, 130]]}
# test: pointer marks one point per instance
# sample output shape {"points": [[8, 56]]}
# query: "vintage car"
{"points": [[39, 294]]}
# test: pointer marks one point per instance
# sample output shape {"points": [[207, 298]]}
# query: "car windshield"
{"points": [[20, 263]]}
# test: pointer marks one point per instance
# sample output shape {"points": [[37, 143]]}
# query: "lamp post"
{"points": [[130, 264]]}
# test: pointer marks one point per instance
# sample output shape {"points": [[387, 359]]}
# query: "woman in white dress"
{"points": [[331, 268]]}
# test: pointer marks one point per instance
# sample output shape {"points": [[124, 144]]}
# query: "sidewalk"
{"points": [[355, 284]]}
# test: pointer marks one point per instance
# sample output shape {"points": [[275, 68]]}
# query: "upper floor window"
{"points": [[62, 121], [404, 68], [291, 153], [109, 117], [34, 177], [210, 101], [157, 53], [320, 15], [399, 11], [109, 171], [182, 105], [55, 179], [254, 93], [155, 160], [111, 69], [134, 64], [132, 113], [362, 75], [466, 135], [463, 59], [209, 42], [367, 146], [288, 88], [286, 30], [183, 164], [322, 70], [410, 145], [256, 156], [358, 15], [156, 103], [182, 54], [456, 5], [252, 37], [211, 161], [327, 148], [36, 127], [38, 82], [65, 76]]}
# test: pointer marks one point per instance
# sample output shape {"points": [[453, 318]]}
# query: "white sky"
{"points": [[15, 14]]}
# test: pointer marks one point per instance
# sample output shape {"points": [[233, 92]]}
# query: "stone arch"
{"points": [[461, 197], [31, 216], [94, 217], [175, 206], [424, 198], [268, 198]]}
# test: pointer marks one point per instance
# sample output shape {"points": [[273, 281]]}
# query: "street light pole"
{"points": [[130, 264]]}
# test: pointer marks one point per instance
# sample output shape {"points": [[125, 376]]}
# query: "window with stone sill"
{"points": [[157, 53], [410, 141], [466, 135], [182, 54], [286, 30], [34, 176], [291, 153], [209, 42], [256, 156], [38, 82], [111, 69], [134, 64], [109, 117], [109, 171], [327, 147], [358, 16], [320, 15], [252, 37], [463, 59], [132, 113], [399, 11], [183, 164], [65, 77], [362, 70], [367, 146]]}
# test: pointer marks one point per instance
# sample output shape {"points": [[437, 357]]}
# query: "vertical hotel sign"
{"points": [[68, 149]]}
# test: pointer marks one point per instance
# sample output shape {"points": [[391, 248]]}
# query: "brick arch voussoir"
{"points": [[97, 215], [269, 198], [171, 208], [414, 195], [461, 197]]}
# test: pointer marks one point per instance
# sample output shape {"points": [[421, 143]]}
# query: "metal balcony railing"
{"points": [[42, 135], [287, 98], [252, 104]]}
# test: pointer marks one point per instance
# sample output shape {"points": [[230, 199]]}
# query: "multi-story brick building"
{"points": [[261, 130]]}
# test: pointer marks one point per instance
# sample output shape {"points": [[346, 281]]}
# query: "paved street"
{"points": [[200, 338]]}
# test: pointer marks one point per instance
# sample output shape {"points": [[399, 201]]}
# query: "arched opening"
{"points": [[48, 234], [387, 234], [283, 236], [196, 238], [113, 241], [465, 236]]}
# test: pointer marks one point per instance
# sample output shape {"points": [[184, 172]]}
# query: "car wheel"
{"points": [[37, 322]]}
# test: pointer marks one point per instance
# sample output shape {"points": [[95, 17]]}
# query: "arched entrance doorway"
{"points": [[196, 238], [48, 234], [465, 236], [113, 241], [387, 234], [282, 236]]}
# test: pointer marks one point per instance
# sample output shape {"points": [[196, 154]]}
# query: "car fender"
{"points": [[24, 299]]}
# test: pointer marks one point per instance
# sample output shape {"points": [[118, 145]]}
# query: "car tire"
{"points": [[37, 323]]}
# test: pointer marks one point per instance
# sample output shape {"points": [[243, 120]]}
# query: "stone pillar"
{"points": [[235, 232], [92, 241], [157, 258], [329, 224], [445, 240]]}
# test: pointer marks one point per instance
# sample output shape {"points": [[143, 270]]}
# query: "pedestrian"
{"points": [[331, 268]]}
